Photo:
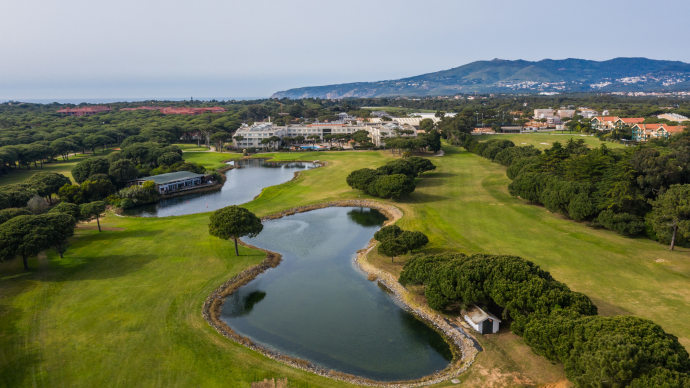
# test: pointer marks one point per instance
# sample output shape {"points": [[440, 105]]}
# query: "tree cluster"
{"points": [[556, 322], [393, 180], [623, 190], [396, 242]]}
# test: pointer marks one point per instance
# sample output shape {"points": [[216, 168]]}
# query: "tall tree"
{"points": [[671, 213], [234, 222], [27, 235], [92, 210], [47, 183]]}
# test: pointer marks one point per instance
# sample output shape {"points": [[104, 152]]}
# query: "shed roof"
{"points": [[477, 315], [170, 177]]}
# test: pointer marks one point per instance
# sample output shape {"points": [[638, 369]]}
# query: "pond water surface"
{"points": [[317, 305], [241, 186]]}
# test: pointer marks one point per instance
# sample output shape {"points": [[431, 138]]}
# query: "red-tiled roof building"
{"points": [[84, 110]]}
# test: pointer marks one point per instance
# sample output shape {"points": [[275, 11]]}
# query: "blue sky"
{"points": [[214, 48]]}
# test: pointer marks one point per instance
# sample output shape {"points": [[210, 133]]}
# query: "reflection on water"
{"points": [[243, 183], [241, 304], [316, 305], [366, 216]]}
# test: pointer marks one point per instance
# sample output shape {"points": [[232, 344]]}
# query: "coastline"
{"points": [[461, 346]]}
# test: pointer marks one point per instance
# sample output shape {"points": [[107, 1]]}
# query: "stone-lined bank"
{"points": [[463, 350]]}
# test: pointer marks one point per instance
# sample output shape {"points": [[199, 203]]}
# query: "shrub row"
{"points": [[556, 322]]}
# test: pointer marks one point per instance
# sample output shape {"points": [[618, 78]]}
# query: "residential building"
{"points": [[543, 113], [174, 182], [253, 135], [673, 117], [565, 113], [603, 123], [483, 131], [84, 110], [645, 132], [628, 121], [172, 110], [587, 112], [608, 123]]}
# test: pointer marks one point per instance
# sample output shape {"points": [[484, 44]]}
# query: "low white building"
{"points": [[587, 112], [673, 117], [543, 113], [565, 113], [481, 321]]}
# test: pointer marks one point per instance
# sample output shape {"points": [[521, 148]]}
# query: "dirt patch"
{"points": [[495, 378], [271, 383], [559, 384]]}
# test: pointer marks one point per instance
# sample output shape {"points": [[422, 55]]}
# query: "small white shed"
{"points": [[481, 321]]}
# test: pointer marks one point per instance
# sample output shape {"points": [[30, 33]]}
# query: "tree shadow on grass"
{"points": [[116, 234], [98, 267], [19, 359], [430, 183], [436, 175], [420, 197]]}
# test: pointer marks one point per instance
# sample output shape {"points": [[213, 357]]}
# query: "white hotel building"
{"points": [[254, 134]]}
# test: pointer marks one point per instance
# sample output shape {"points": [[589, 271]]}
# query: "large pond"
{"points": [[243, 183], [317, 305]]}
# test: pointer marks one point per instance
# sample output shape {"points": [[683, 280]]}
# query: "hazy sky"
{"points": [[252, 48]]}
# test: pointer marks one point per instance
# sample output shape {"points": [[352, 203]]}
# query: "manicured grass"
{"points": [[210, 160], [542, 140], [124, 306], [191, 147], [60, 166]]}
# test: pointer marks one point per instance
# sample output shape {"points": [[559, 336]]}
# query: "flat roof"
{"points": [[477, 315], [171, 177]]}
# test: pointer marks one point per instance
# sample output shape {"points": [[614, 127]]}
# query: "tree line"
{"points": [[642, 190], [555, 321]]}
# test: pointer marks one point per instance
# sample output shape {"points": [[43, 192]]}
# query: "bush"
{"points": [[88, 167], [508, 155], [9, 213], [391, 186], [518, 166], [418, 269], [420, 165], [624, 223], [581, 207], [68, 208], [398, 166], [387, 232], [138, 195], [361, 179], [528, 186]]}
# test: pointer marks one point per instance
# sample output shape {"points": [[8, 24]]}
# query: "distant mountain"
{"points": [[519, 76]]}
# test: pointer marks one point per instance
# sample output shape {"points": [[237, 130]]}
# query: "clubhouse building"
{"points": [[175, 182]]}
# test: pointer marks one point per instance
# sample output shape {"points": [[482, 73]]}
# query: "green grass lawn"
{"points": [[542, 140], [210, 160], [124, 306], [60, 166], [191, 147]]}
